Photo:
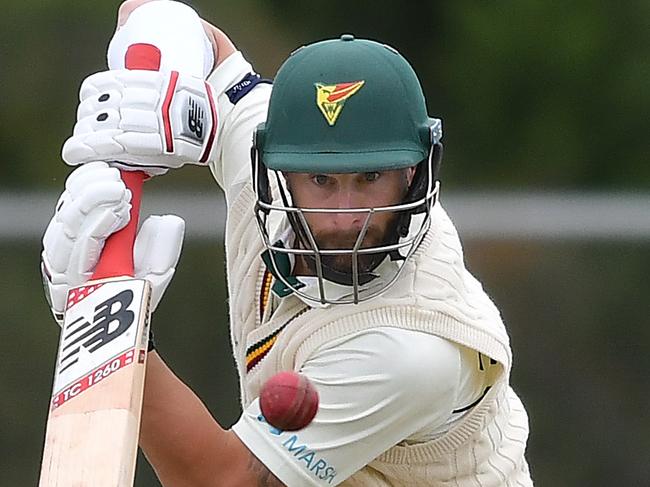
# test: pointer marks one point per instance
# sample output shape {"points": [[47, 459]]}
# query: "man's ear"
{"points": [[410, 174]]}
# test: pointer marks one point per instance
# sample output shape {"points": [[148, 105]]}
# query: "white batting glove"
{"points": [[95, 204], [144, 120]]}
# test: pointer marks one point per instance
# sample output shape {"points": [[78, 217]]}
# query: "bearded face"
{"points": [[341, 230]]}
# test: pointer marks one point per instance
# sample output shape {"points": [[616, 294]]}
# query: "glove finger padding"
{"points": [[110, 99], [157, 250], [146, 120], [95, 204]]}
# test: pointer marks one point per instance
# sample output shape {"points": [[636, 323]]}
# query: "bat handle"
{"points": [[117, 256]]}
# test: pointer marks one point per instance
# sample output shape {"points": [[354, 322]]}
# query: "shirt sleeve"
{"points": [[242, 103], [376, 388]]}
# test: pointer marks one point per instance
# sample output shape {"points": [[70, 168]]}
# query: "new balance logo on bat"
{"points": [[105, 330], [111, 319]]}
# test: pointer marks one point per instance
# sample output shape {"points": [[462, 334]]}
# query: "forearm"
{"points": [[183, 442], [222, 45], [231, 159]]}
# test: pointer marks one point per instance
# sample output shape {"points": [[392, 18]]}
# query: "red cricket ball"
{"points": [[289, 401]]}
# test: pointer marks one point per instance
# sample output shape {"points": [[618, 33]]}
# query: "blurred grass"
{"points": [[577, 314], [533, 94]]}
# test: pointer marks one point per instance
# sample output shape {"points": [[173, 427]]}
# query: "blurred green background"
{"points": [[535, 96]]}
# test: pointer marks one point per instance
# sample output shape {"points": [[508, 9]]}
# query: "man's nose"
{"points": [[348, 197], [346, 200]]}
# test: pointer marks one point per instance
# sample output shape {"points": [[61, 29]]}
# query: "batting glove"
{"points": [[95, 204], [147, 120]]}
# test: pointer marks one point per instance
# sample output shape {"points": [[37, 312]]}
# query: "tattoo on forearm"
{"points": [[265, 477]]}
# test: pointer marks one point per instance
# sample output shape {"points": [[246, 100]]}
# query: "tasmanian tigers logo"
{"points": [[331, 98]]}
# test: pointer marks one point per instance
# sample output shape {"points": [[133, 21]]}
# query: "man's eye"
{"points": [[320, 179], [371, 176]]}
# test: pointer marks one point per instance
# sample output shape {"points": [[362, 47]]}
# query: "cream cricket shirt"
{"points": [[377, 387]]}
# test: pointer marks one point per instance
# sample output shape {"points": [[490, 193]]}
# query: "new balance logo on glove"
{"points": [[195, 118]]}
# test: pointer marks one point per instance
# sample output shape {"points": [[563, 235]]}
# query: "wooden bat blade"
{"points": [[94, 418]]}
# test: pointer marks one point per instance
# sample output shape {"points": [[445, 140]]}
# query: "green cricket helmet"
{"points": [[345, 106]]}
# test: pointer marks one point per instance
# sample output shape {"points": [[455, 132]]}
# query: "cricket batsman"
{"points": [[342, 264]]}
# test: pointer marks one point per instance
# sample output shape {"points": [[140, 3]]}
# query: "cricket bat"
{"points": [[94, 419], [93, 424]]}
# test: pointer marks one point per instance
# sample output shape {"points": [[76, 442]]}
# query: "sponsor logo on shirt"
{"points": [[309, 459], [245, 85]]}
